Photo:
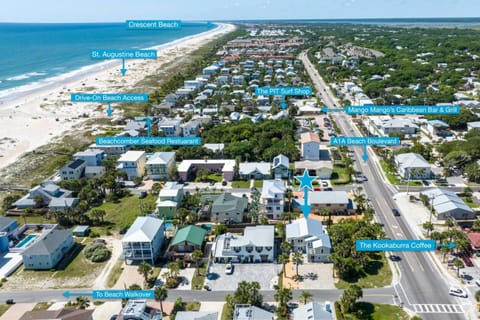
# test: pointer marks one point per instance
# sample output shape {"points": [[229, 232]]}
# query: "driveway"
{"points": [[17, 310], [264, 273]]}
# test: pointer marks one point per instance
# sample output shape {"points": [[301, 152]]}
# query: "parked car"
{"points": [[212, 183], [10, 301], [467, 260], [454, 291], [224, 183], [395, 212], [229, 268], [142, 194], [477, 282], [425, 183], [324, 184], [114, 317]]}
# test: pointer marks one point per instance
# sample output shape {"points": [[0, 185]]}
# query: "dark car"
{"points": [[114, 317], [467, 260], [142, 194], [396, 213], [122, 230], [212, 183], [10, 301], [224, 183]]}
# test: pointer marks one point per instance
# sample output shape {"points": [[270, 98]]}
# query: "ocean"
{"points": [[36, 55]]}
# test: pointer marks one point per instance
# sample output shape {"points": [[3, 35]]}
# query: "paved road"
{"points": [[379, 295], [421, 287]]}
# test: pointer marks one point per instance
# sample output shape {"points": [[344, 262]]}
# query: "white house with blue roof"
{"points": [[310, 237]]}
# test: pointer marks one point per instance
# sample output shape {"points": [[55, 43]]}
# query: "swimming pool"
{"points": [[168, 224], [26, 241]]}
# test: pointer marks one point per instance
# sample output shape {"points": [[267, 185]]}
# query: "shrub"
{"points": [[97, 252]]}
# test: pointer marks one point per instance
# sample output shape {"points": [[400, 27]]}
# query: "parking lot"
{"points": [[264, 273]]}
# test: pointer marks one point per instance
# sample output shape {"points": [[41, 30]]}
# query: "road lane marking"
{"points": [[437, 308]]}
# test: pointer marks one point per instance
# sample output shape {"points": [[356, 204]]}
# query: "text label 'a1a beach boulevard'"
{"points": [[153, 24], [364, 141], [283, 91], [109, 97], [123, 54], [148, 141], [371, 109]]}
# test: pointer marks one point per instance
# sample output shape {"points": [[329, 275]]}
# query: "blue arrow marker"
{"points": [[306, 208], [365, 155], [451, 245], [109, 110], [68, 294], [283, 104], [148, 122], [123, 70]]}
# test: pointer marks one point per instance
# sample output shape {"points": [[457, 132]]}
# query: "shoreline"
{"points": [[36, 118]]}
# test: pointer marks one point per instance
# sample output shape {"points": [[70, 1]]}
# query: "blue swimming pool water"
{"points": [[168, 224], [26, 240]]}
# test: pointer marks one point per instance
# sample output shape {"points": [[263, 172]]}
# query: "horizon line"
{"points": [[241, 20]]}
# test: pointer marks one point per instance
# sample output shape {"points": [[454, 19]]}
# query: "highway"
{"points": [[421, 287]]}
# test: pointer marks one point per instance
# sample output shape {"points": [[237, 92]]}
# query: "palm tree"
{"points": [[325, 212], [282, 296], [174, 269], [350, 296], [286, 247], [197, 255], [284, 259], [82, 302], [444, 250], [160, 295], [458, 264], [476, 225], [305, 297], [289, 197], [297, 258], [145, 270], [428, 226]]}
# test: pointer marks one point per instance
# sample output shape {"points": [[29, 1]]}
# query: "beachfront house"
{"points": [[255, 246], [47, 194], [170, 127], [132, 163], [143, 240], [160, 164], [169, 200], [273, 198], [309, 237], [47, 249], [93, 157], [73, 170]]}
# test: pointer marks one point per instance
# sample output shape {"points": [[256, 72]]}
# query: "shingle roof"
{"points": [[411, 160], [250, 167], [226, 202], [192, 234], [143, 229], [48, 242], [61, 314]]}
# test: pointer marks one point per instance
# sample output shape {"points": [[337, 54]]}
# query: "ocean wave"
{"points": [[26, 76]]}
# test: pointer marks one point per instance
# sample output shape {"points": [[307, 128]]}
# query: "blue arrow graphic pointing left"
{"points": [[68, 294], [123, 70]]}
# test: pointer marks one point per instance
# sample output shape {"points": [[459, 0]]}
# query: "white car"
{"points": [[477, 282], [454, 291], [229, 268]]}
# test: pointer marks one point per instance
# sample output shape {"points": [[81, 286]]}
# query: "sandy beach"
{"points": [[35, 119]]}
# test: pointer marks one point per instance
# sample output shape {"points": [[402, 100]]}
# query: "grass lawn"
{"points": [[258, 184], [340, 176], [115, 274], [217, 177], [224, 313], [42, 306], [4, 308], [242, 184], [470, 203], [393, 179], [125, 211], [377, 275], [374, 311], [192, 305], [199, 279]]}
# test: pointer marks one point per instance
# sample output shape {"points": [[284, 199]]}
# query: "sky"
{"points": [[121, 10]]}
